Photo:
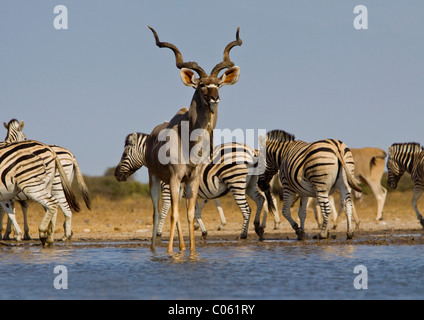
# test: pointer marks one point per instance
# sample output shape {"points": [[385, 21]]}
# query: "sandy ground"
{"points": [[129, 222]]}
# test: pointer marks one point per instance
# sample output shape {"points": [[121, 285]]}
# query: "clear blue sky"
{"points": [[304, 69]]}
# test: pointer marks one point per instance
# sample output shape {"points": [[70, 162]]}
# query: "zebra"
{"points": [[308, 170], [407, 157], [226, 173], [222, 176], [70, 166], [27, 171]]}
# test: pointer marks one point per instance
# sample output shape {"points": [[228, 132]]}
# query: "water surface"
{"points": [[244, 272]]}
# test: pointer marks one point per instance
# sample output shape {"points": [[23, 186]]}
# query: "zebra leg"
{"points": [[355, 215], [9, 208], [46, 226], [51, 227], [1, 221], [417, 192], [348, 208], [221, 213], [24, 207], [288, 200], [240, 198], [302, 216], [333, 211], [198, 215], [325, 211], [259, 200], [277, 220], [166, 205], [68, 221], [317, 211], [8, 229]]}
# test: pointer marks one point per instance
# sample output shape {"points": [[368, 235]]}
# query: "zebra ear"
{"points": [[132, 139], [390, 151], [5, 125], [21, 125]]}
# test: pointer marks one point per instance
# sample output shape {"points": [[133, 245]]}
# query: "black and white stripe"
{"points": [[27, 171], [314, 169], [232, 170], [407, 157], [70, 166]]}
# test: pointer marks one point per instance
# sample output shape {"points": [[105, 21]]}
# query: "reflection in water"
{"points": [[240, 272]]}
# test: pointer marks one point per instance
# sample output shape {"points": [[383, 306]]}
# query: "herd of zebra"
{"points": [[31, 170]]}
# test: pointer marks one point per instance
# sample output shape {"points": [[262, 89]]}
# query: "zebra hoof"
{"points": [[349, 236], [321, 236], [301, 235], [243, 236], [259, 231], [6, 236], [46, 242], [204, 235], [27, 236], [422, 222]]}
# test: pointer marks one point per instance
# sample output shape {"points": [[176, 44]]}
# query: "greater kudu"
{"points": [[176, 160]]}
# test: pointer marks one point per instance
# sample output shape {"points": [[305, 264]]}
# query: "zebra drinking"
{"points": [[407, 157], [232, 170]]}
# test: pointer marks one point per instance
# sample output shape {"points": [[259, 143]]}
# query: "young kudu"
{"points": [[176, 149]]}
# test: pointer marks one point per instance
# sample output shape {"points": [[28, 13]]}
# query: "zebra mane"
{"points": [[279, 135], [129, 140], [405, 146], [12, 120]]}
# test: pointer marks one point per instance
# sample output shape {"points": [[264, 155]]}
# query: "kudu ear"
{"points": [[188, 77], [230, 76]]}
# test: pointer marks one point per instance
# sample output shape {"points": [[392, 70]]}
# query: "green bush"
{"points": [[405, 183], [108, 187]]}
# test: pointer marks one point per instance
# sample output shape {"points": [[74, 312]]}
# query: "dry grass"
{"points": [[132, 218]]}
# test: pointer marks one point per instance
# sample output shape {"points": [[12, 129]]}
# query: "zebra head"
{"points": [[133, 156], [14, 131]]}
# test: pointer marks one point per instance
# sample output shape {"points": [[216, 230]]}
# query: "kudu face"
{"points": [[206, 86]]}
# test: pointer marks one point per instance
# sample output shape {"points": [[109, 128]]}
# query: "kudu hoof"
{"points": [[204, 235]]}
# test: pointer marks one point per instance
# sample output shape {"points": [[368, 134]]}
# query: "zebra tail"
{"points": [[82, 185], [350, 180], [67, 189], [266, 189]]}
